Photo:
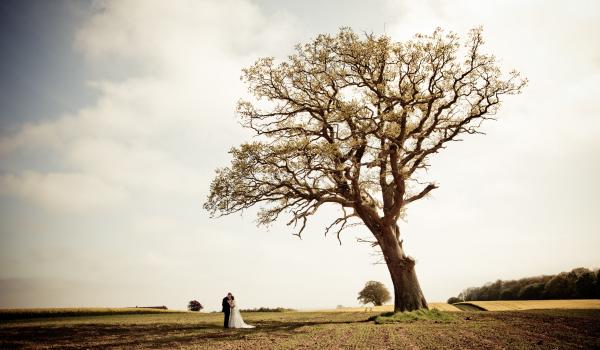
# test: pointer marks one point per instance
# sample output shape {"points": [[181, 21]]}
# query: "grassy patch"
{"points": [[433, 315]]}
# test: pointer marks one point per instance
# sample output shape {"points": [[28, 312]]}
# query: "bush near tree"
{"points": [[453, 300]]}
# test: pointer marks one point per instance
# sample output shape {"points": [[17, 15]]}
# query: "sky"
{"points": [[115, 114]]}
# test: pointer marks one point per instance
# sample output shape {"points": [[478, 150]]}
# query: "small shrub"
{"points": [[453, 300], [195, 305]]}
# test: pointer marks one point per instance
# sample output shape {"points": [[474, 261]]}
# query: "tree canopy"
{"points": [[351, 121], [374, 292], [194, 305]]}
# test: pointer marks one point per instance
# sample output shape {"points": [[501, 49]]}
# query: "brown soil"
{"points": [[538, 329]]}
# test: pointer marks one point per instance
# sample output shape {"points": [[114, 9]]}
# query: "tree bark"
{"points": [[407, 291]]}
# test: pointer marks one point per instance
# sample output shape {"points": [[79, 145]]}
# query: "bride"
{"points": [[235, 318]]}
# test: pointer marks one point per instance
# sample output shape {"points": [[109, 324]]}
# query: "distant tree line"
{"points": [[162, 307], [579, 283], [266, 309]]}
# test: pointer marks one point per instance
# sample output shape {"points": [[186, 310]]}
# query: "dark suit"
{"points": [[226, 310]]}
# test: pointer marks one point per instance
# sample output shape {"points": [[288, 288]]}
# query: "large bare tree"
{"points": [[352, 120]]}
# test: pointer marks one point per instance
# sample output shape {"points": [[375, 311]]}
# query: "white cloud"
{"points": [[71, 192], [187, 30], [154, 133]]}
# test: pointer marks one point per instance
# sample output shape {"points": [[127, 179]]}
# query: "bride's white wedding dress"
{"points": [[236, 320]]}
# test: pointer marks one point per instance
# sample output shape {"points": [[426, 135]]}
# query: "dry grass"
{"points": [[12, 314], [388, 308], [443, 307], [513, 305]]}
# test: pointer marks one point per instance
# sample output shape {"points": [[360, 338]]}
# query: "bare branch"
{"points": [[421, 194]]}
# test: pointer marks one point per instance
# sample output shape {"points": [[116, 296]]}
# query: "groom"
{"points": [[226, 310]]}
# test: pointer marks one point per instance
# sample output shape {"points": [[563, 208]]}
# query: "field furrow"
{"points": [[535, 329]]}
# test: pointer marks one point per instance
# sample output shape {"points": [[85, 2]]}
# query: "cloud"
{"points": [[186, 31], [155, 133], [70, 192]]}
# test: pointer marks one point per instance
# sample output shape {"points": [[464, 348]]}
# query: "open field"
{"points": [[535, 329], [513, 305], [12, 314]]}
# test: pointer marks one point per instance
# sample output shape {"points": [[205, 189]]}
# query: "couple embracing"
{"points": [[233, 318]]}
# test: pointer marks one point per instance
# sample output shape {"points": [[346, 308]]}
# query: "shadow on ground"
{"points": [[100, 336]]}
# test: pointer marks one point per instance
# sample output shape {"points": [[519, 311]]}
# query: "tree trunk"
{"points": [[407, 291]]}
